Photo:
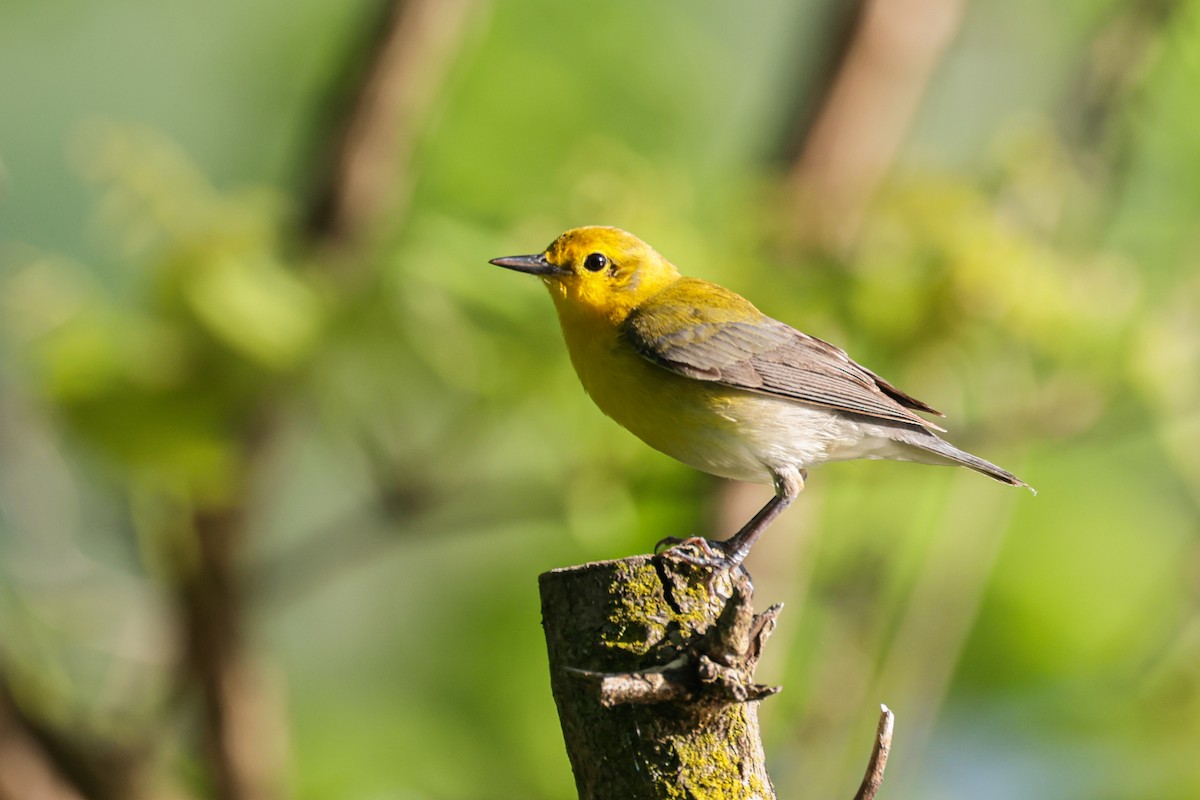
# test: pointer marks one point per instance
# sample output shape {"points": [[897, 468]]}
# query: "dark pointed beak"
{"points": [[534, 264]]}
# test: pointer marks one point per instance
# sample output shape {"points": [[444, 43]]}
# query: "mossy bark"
{"points": [[651, 665]]}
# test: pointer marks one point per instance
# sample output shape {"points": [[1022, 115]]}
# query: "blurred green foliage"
{"points": [[412, 449]]}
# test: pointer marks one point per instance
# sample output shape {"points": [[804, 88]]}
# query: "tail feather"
{"points": [[949, 454]]}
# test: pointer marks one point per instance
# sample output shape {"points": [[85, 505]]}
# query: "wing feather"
{"points": [[725, 339]]}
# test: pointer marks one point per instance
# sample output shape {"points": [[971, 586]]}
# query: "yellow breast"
{"points": [[704, 425]]}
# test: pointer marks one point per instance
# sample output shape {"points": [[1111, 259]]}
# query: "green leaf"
{"points": [[256, 307]]}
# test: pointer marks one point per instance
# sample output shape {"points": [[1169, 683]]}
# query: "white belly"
{"points": [[767, 433]]}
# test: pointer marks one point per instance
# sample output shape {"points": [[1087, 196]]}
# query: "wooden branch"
{"points": [[651, 665]]}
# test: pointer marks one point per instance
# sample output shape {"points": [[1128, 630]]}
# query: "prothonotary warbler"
{"points": [[697, 372]]}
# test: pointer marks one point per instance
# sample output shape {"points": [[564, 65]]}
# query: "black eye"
{"points": [[595, 262]]}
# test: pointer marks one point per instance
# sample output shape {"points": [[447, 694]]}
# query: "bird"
{"points": [[696, 371]]}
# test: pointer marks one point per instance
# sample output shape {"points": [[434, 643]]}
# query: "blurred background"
{"points": [[281, 456]]}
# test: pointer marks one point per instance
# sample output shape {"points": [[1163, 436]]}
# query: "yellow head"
{"points": [[597, 272]]}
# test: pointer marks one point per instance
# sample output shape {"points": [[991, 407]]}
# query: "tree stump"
{"points": [[651, 665]]}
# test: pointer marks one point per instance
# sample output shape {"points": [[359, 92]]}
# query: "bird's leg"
{"points": [[788, 485], [732, 552]]}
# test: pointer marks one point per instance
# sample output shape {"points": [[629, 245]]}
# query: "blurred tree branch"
{"points": [[365, 161], [26, 771], [41, 761], [866, 112], [212, 618], [1111, 75], [363, 170], [360, 176]]}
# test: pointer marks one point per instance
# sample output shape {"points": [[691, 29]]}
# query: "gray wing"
{"points": [[769, 357]]}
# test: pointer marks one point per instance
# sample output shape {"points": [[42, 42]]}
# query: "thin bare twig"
{"points": [[879, 755]]}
